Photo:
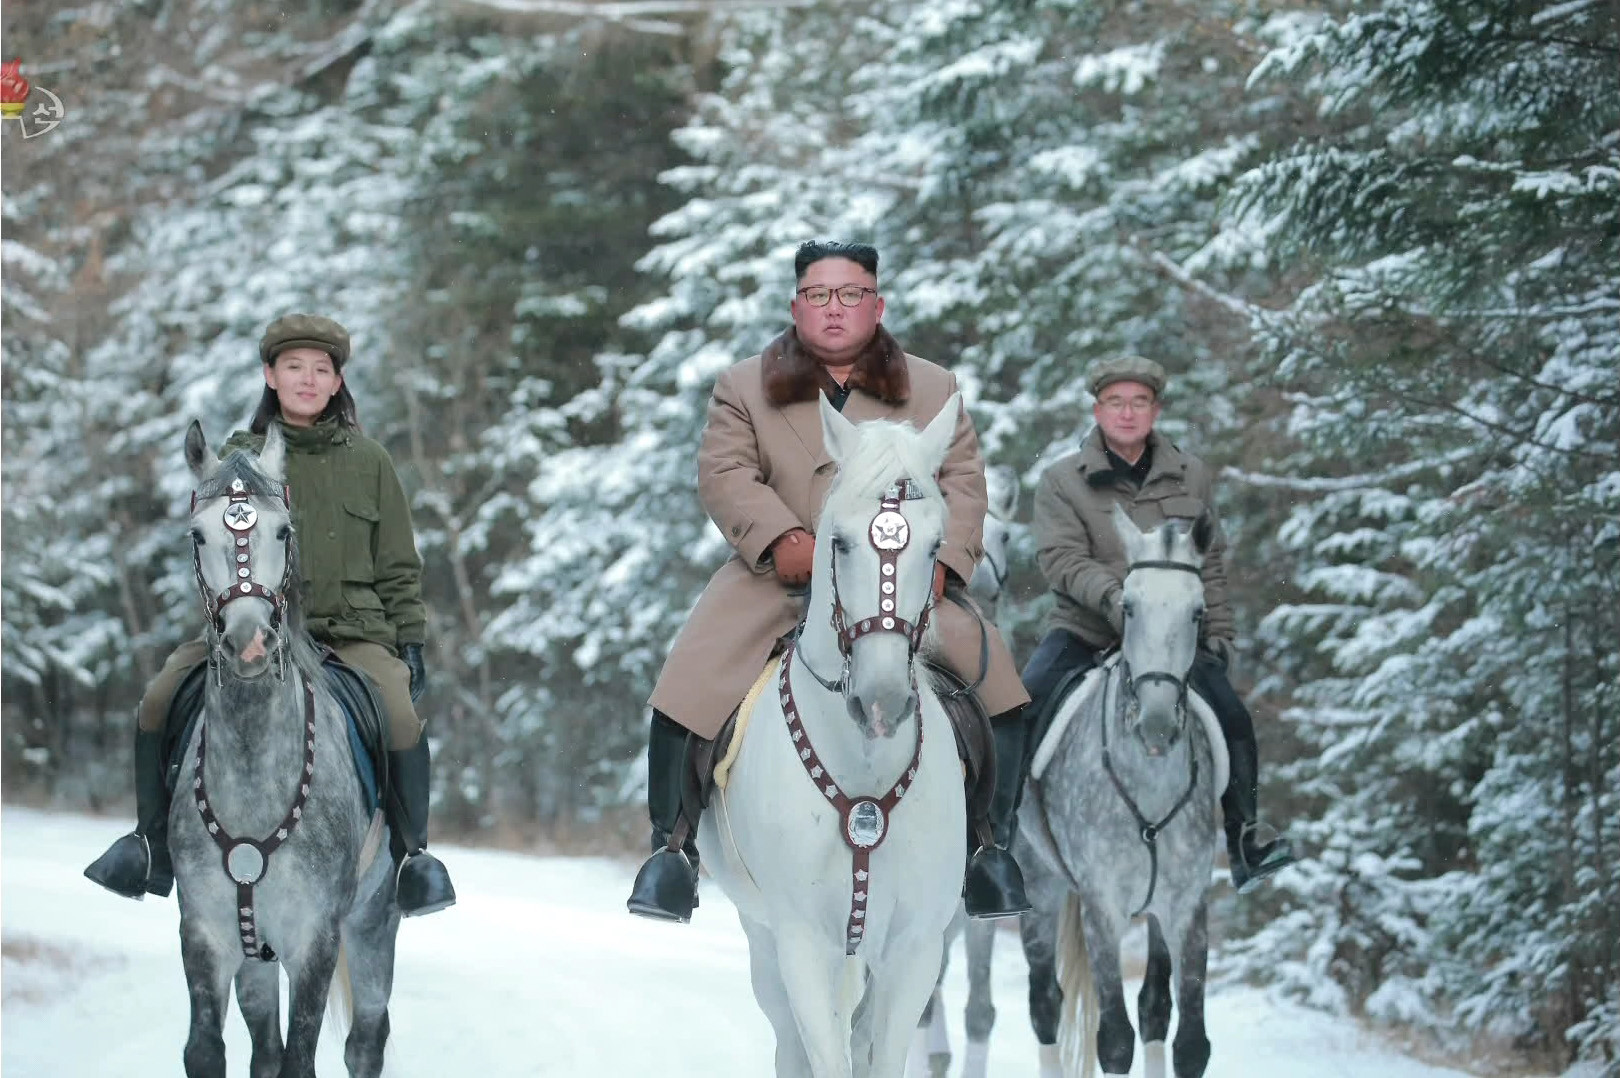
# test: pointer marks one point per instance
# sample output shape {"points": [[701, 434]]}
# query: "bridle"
{"points": [[1150, 830], [1132, 681], [240, 519], [864, 821], [246, 860], [889, 533]]}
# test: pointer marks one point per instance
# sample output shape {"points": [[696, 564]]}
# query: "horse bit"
{"points": [[247, 860], [1148, 830], [864, 820]]}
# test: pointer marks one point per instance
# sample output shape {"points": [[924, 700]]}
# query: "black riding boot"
{"points": [[1252, 859], [138, 863], [994, 887], [424, 883], [666, 887]]}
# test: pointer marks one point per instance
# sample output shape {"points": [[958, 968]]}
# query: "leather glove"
{"points": [[1225, 652], [1114, 610], [793, 554], [939, 581], [412, 654]]}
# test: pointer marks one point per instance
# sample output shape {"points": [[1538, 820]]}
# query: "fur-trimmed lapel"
{"points": [[792, 376]]}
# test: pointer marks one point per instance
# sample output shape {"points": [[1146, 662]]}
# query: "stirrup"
{"points": [[426, 891], [1279, 854], [665, 887], [993, 886], [125, 868]]}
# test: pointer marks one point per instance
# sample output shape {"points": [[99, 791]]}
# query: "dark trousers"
{"points": [[1061, 652]]}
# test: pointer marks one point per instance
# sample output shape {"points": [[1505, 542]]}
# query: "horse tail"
{"points": [[1077, 1044], [340, 999]]}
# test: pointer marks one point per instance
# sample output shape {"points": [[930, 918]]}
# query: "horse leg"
{"points": [[931, 1047], [1116, 1040], [310, 977], [817, 980], [209, 970], [980, 1017], [899, 989], [258, 993], [1192, 1043], [1039, 935], [369, 939], [1153, 1002], [772, 997]]}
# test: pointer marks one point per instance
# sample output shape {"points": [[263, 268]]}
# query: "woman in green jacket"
{"points": [[361, 595]]}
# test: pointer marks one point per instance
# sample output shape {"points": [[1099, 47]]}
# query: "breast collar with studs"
{"points": [[247, 860], [863, 821]]}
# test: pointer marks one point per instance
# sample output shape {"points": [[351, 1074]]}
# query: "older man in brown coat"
{"points": [[762, 475], [1124, 462]]}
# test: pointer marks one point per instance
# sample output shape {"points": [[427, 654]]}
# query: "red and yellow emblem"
{"points": [[13, 90]]}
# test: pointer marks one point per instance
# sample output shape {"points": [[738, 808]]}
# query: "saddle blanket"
{"points": [[1089, 687], [722, 770]]}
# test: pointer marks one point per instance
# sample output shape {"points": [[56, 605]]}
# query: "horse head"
{"points": [[878, 536], [1164, 609], [243, 553]]}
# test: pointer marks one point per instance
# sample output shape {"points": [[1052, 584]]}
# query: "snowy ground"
{"points": [[538, 971]]}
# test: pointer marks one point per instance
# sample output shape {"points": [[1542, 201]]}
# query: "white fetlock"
{"points": [[1153, 1064], [976, 1061], [1051, 1062], [917, 1058]]}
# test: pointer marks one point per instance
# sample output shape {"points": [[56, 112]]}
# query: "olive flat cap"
{"points": [[304, 331], [1106, 372]]}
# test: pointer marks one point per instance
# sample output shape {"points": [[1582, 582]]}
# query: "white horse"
{"points": [[850, 746], [931, 1048]]}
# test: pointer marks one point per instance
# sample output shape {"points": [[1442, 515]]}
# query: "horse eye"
{"points": [[283, 531], [1198, 615], [840, 545], [197, 537]]}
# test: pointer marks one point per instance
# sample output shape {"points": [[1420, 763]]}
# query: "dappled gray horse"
{"points": [[931, 1050], [275, 851], [1121, 823]]}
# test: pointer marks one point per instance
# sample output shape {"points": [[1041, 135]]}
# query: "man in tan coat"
{"points": [[1124, 462], [762, 475]]}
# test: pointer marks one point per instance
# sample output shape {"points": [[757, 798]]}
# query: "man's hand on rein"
{"points": [[793, 554]]}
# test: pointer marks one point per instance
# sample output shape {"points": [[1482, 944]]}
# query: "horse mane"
{"points": [[244, 466], [886, 453]]}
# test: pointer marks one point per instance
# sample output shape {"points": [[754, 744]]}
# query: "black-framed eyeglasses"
{"points": [[849, 295]]}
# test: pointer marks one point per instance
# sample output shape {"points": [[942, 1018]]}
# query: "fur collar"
{"points": [[793, 375]]}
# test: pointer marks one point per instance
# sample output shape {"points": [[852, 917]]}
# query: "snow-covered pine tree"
{"points": [[1453, 376]]}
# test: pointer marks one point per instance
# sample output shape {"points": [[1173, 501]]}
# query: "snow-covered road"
{"points": [[537, 971]]}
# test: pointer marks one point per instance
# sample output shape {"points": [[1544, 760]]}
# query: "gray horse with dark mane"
{"points": [[275, 849], [1119, 822]]}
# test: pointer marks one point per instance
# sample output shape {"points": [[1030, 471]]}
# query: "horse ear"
{"points": [[273, 457], [1203, 532], [202, 462], [838, 435], [941, 431], [1003, 483], [1126, 528]]}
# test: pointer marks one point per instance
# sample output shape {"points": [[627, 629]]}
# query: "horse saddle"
{"points": [[1070, 696], [355, 695], [708, 762]]}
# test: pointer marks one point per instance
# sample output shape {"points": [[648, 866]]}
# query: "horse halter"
{"points": [[1133, 680], [240, 518], [890, 534]]}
